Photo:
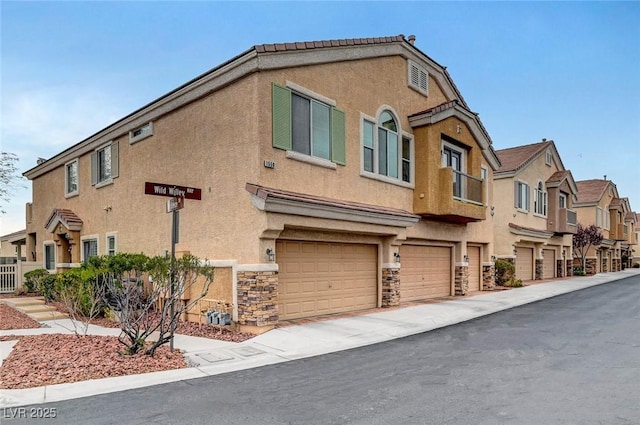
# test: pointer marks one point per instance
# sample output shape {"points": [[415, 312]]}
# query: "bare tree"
{"points": [[583, 240], [9, 177], [82, 294], [153, 311]]}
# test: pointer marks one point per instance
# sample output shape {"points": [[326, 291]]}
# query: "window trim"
{"points": [[108, 236], [114, 169], [600, 222], [76, 192], [527, 201], [85, 238], [374, 175], [548, 160], [136, 138], [545, 200], [44, 255], [563, 199], [484, 176]]}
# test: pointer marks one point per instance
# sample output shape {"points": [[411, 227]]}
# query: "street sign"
{"points": [[174, 204], [172, 190]]}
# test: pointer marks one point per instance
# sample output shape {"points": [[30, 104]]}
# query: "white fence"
{"points": [[12, 275]]}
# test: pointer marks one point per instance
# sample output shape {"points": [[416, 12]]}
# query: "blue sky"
{"points": [[567, 71]]}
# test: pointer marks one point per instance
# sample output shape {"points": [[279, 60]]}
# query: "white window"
{"points": [[311, 126], [484, 175], [89, 248], [599, 221], [104, 164], [141, 133], [418, 77], [111, 244], [71, 178], [385, 152], [522, 196], [50, 256], [607, 218], [540, 200]]}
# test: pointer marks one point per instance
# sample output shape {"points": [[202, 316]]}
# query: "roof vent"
{"points": [[544, 139], [411, 39], [40, 161]]}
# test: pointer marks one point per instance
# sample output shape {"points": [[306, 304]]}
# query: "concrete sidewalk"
{"points": [[287, 343]]}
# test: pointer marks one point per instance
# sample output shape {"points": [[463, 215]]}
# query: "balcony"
{"points": [[618, 232], [566, 222], [456, 198]]}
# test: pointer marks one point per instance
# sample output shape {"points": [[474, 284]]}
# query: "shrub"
{"points": [[78, 290], [636, 265], [514, 283], [505, 271], [32, 278], [42, 281], [579, 272]]}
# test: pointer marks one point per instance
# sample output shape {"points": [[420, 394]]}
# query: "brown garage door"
{"points": [[425, 272], [474, 267], [548, 263], [317, 278]]}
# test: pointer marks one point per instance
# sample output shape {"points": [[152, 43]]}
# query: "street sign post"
{"points": [[177, 194]]}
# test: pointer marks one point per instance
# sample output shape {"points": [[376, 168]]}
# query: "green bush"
{"points": [[77, 289], [32, 278], [579, 272], [505, 271], [41, 281], [513, 283]]}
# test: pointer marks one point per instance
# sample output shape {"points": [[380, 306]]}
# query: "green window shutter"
{"points": [[94, 168], [281, 117], [338, 149], [115, 161]]}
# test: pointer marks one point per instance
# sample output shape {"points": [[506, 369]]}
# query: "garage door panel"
{"points": [[474, 267], [524, 263], [329, 278], [425, 272], [548, 263]]}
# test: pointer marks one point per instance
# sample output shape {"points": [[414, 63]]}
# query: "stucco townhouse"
{"points": [[599, 203], [534, 217], [320, 177]]}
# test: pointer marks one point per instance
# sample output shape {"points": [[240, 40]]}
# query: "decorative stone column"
{"points": [[488, 276], [605, 265], [569, 267], [462, 279], [559, 268], [257, 298], [539, 268], [390, 286], [616, 265], [590, 266]]}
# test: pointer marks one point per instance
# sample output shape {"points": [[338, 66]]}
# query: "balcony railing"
{"points": [[467, 188]]}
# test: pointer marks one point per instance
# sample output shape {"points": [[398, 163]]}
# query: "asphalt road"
{"points": [[572, 359]]}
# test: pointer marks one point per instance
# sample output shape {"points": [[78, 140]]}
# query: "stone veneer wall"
{"points": [[539, 269], [462, 280], [605, 265], [488, 277], [258, 298], [390, 287], [569, 267], [616, 265], [590, 265], [559, 268]]}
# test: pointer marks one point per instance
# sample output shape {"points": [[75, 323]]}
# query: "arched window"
{"points": [[385, 152]]}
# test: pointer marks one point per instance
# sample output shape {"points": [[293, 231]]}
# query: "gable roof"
{"points": [[460, 111], [257, 58], [591, 191], [67, 217], [516, 158]]}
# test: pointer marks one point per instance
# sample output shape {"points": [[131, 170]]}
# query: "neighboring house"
{"points": [[598, 203], [534, 220], [629, 246], [333, 176], [635, 239], [12, 247]]}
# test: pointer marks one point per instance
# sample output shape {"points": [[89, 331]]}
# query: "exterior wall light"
{"points": [[396, 257], [564, 253], [466, 258], [515, 251], [271, 255], [494, 258]]}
